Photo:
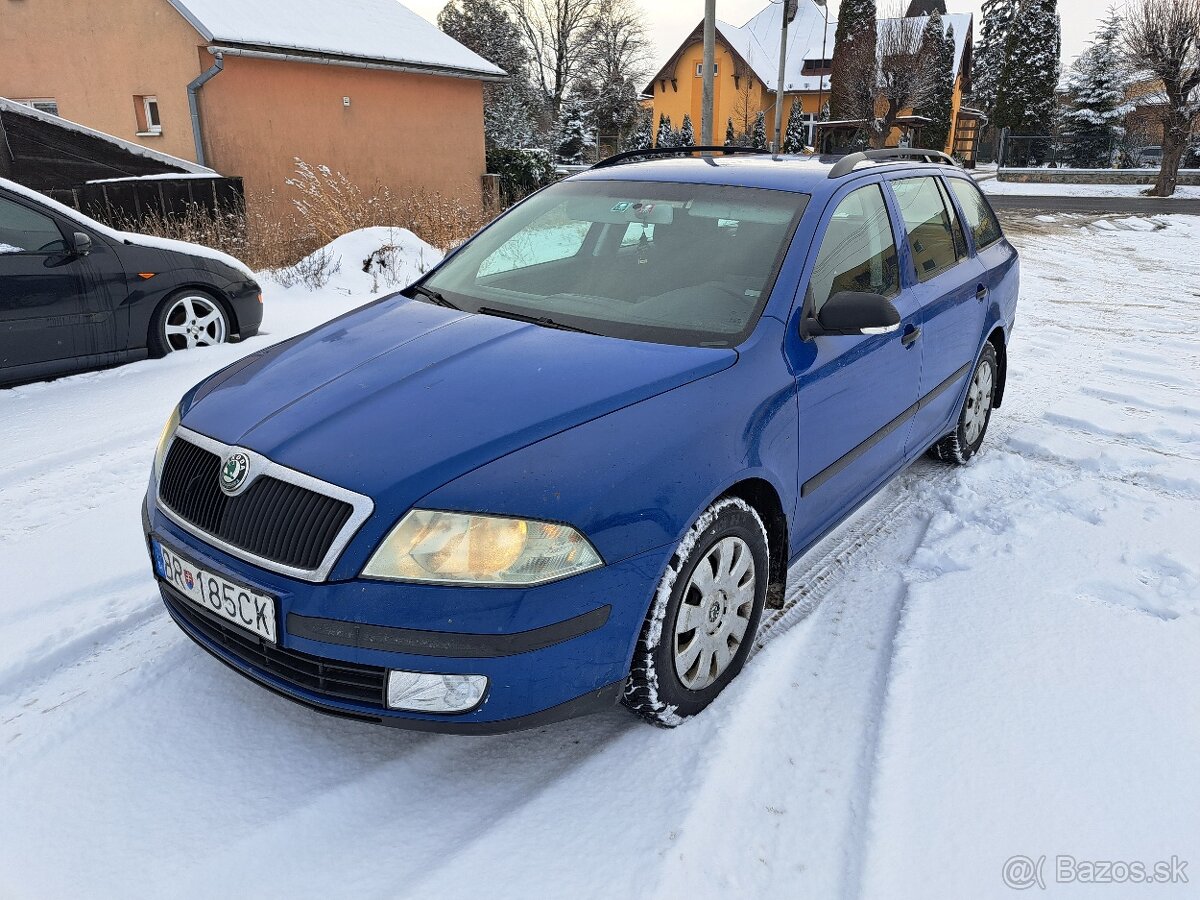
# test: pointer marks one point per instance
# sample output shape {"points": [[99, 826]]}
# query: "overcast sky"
{"points": [[671, 20]]}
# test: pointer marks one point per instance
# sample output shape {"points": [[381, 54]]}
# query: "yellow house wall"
{"points": [[727, 95]]}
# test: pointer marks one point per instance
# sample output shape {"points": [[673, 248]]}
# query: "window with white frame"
{"points": [[700, 69], [41, 104], [146, 110]]}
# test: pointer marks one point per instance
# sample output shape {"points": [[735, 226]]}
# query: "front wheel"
{"points": [[187, 320], [967, 437], [704, 617]]}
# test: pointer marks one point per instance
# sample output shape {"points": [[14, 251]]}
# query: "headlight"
{"points": [[164, 441], [458, 548]]}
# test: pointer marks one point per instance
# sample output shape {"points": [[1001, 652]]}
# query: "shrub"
{"points": [[521, 172]]}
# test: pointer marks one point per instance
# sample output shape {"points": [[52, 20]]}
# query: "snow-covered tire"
{"points": [[968, 434], [724, 539], [187, 319]]}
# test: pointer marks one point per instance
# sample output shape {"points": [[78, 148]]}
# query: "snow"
{"points": [[129, 146], [363, 29], [166, 176], [371, 260], [143, 240], [982, 662], [1026, 189]]}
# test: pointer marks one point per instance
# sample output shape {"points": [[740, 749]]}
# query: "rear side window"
{"points": [[980, 218], [931, 231], [24, 231], [858, 252]]}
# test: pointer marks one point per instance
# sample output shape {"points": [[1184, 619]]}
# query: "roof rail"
{"points": [[673, 151], [848, 163]]}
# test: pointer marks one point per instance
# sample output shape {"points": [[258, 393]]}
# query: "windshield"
{"points": [[670, 263]]}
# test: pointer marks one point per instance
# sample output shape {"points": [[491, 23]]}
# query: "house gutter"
{"points": [[193, 92], [322, 59]]}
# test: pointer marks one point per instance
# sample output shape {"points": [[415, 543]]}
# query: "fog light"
{"points": [[434, 693]]}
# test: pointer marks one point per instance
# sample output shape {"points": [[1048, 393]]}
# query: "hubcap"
{"points": [[979, 402], [714, 613], [194, 322]]}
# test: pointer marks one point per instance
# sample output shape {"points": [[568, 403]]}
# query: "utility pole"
{"points": [[790, 8], [710, 62], [824, 4]]}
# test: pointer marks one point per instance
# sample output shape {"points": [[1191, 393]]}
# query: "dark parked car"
{"points": [[75, 294]]}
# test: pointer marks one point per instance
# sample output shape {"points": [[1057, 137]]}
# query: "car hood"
{"points": [[398, 398]]}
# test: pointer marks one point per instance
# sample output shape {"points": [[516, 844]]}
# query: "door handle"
{"points": [[981, 292], [910, 337]]}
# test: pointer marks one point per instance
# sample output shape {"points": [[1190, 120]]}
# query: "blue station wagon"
{"points": [[572, 465]]}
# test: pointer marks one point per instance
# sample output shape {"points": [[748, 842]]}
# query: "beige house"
{"points": [[366, 87]]}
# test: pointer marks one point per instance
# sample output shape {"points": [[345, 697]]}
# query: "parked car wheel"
{"points": [[964, 442], [187, 320], [704, 617]]}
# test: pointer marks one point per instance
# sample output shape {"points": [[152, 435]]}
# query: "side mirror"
{"points": [[850, 312], [81, 244]]}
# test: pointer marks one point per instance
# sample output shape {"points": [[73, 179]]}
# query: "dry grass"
{"points": [[327, 205]]}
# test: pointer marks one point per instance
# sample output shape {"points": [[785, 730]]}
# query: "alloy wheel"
{"points": [[194, 321]]}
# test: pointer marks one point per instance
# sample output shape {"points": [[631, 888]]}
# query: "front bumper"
{"points": [[551, 652]]}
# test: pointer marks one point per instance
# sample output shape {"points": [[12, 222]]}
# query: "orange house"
{"points": [[246, 87], [747, 75]]}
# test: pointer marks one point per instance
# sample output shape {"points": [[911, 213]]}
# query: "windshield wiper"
{"points": [[543, 321], [432, 295]]}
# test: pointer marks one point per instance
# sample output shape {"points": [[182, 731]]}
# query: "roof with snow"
{"points": [[757, 43], [12, 106], [381, 31]]}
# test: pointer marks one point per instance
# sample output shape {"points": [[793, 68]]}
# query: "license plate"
{"points": [[231, 601]]}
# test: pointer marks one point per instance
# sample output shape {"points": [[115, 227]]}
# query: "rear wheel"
{"points": [[704, 617], [967, 437], [187, 320]]}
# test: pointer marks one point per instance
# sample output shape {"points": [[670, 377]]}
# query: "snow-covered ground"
{"points": [[1023, 189], [983, 663]]}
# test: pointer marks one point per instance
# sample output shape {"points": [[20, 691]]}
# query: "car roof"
{"points": [[799, 174]]}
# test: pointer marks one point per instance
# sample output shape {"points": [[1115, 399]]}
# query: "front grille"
{"points": [[272, 519], [329, 679]]}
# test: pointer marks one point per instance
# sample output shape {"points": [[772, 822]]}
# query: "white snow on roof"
{"points": [[362, 29], [758, 43], [136, 149]]}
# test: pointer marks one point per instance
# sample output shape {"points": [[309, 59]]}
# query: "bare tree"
{"points": [[558, 33], [745, 102], [615, 63], [897, 74], [1162, 37]]}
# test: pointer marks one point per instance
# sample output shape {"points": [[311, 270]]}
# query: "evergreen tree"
{"points": [[687, 134], [1025, 96], [758, 138], [852, 80], [795, 138], [510, 108], [664, 138], [730, 135], [577, 138], [938, 47], [643, 133], [990, 50], [1094, 120]]}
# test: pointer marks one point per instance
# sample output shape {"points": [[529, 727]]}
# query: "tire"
{"points": [[185, 320], [663, 688], [967, 437]]}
